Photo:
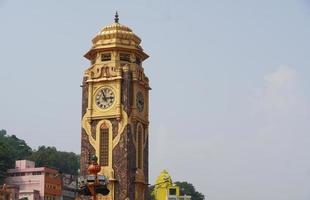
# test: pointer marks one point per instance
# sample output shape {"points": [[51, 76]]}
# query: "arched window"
{"points": [[104, 145]]}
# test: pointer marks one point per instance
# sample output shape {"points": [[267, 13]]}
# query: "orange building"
{"points": [[52, 190], [35, 183]]}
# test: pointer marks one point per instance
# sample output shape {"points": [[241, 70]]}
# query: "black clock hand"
{"points": [[104, 97]]}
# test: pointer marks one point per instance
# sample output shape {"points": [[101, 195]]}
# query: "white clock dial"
{"points": [[105, 98]]}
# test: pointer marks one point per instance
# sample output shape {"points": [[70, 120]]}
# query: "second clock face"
{"points": [[105, 98]]}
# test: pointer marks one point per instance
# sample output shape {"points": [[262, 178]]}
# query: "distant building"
{"points": [[9, 192], [69, 185], [35, 183], [166, 190]]}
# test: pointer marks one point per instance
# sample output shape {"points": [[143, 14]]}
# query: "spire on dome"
{"points": [[116, 17]]}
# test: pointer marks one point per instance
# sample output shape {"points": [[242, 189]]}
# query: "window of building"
{"points": [[124, 57], [172, 191], [36, 173], [52, 175], [104, 146], [105, 57], [19, 174]]}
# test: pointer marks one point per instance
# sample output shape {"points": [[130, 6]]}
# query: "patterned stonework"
{"points": [[128, 179]]}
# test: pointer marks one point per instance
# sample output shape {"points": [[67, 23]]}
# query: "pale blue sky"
{"points": [[230, 109]]}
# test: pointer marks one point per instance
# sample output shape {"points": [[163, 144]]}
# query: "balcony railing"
{"points": [[175, 197]]}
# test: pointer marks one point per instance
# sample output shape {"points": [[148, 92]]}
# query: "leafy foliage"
{"points": [[18, 148], [13, 148], [65, 162], [2, 133], [5, 160], [189, 189], [150, 195]]}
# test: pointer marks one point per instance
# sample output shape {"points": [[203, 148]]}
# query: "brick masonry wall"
{"points": [[86, 149]]}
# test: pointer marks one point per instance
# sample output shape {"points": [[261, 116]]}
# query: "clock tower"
{"points": [[115, 111]]}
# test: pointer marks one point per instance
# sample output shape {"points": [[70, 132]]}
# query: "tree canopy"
{"points": [[188, 189], [18, 148], [13, 148], [5, 160], [65, 162]]}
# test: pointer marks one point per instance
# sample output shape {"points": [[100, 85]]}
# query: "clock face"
{"points": [[105, 98], [139, 101]]}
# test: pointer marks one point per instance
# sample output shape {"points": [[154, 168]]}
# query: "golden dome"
{"points": [[117, 31], [116, 36]]}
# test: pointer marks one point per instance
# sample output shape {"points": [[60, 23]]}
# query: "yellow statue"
{"points": [[165, 189]]}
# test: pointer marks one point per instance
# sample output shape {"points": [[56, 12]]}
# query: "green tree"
{"points": [[19, 150], [2, 133], [189, 189], [65, 162], [11, 149], [5, 160], [150, 195]]}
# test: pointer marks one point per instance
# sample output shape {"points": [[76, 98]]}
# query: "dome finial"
{"points": [[116, 17]]}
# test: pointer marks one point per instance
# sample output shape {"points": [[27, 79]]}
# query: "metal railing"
{"points": [[175, 197]]}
